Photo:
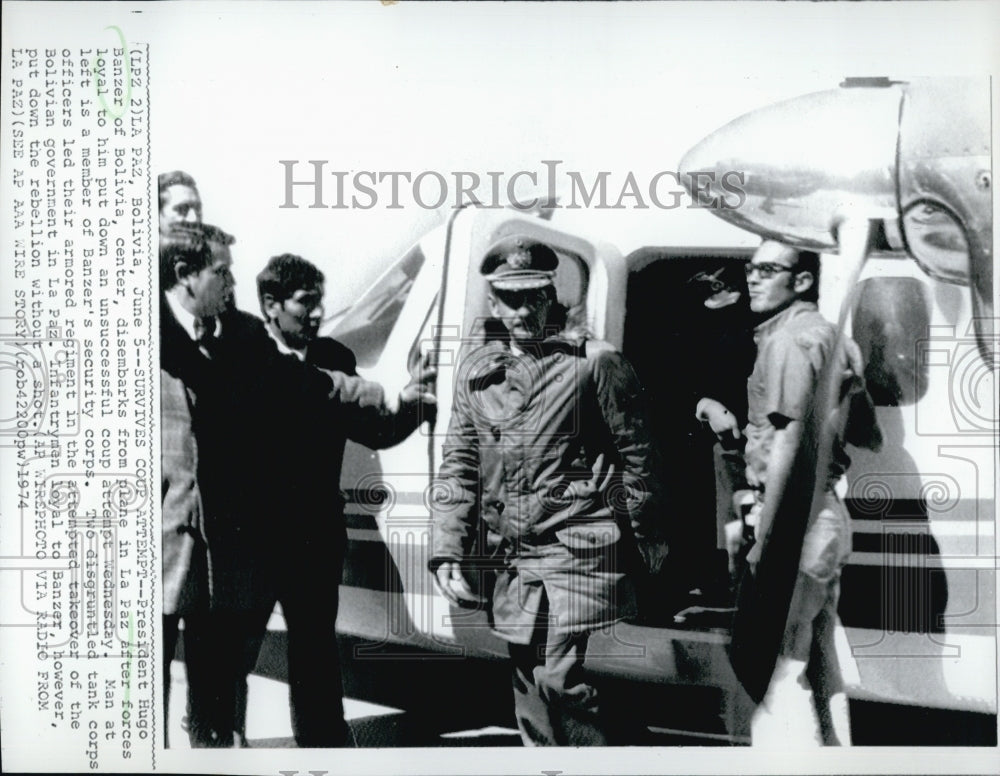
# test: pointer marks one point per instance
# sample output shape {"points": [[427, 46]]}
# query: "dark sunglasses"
{"points": [[767, 269], [516, 299]]}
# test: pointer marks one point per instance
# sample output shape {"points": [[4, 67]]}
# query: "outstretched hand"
{"points": [[421, 386]]}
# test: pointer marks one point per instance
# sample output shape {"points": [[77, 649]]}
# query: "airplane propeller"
{"points": [[874, 165]]}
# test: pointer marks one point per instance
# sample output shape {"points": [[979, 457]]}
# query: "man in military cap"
{"points": [[548, 479]]}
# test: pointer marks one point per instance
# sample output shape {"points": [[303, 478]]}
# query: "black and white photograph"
{"points": [[502, 387]]}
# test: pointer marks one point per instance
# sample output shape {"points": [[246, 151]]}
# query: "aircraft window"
{"points": [[889, 318], [571, 281], [365, 329], [937, 241]]}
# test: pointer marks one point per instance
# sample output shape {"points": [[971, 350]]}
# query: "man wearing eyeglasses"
{"points": [[549, 481], [805, 701]]}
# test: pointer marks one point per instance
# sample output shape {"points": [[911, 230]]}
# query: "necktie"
{"points": [[204, 334]]}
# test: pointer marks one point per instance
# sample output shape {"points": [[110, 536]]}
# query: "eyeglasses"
{"points": [[516, 299], [767, 269]]}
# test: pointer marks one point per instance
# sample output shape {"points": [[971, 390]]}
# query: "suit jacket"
{"points": [[304, 462], [253, 443], [184, 555], [214, 486]]}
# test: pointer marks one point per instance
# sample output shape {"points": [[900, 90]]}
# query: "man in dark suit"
{"points": [[224, 382], [208, 542], [180, 208], [306, 556]]}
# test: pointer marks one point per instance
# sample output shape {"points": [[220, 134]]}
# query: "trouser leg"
{"points": [[211, 680], [805, 703], [553, 702], [839, 720], [251, 651], [530, 709], [824, 675], [309, 600], [786, 717], [565, 688], [314, 680], [213, 650], [170, 628]]}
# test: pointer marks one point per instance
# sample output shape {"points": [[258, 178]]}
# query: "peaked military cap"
{"points": [[516, 263]]}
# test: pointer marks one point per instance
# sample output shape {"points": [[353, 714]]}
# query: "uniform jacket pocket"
{"points": [[589, 535]]}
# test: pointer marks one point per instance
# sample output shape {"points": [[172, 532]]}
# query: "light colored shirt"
{"points": [[792, 348], [185, 318]]}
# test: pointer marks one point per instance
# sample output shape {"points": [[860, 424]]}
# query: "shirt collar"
{"points": [[768, 326], [282, 347], [185, 318]]}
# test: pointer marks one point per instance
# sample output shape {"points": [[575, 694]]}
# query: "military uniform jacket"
{"points": [[548, 474]]}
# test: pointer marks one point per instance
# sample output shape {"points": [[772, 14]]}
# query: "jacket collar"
{"points": [[282, 347], [767, 327], [492, 359], [185, 319]]}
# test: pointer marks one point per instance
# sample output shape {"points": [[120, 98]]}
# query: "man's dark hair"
{"points": [[190, 244], [215, 235], [808, 261], [181, 245], [284, 275], [175, 178]]}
